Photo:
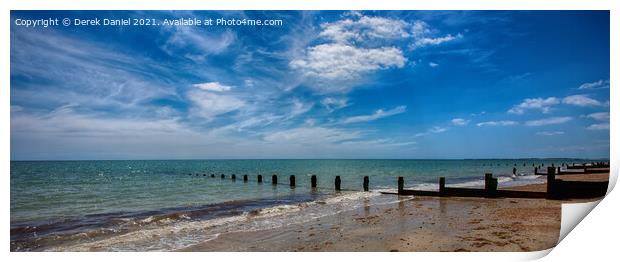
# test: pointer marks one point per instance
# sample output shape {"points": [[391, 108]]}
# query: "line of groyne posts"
{"points": [[490, 183], [292, 180]]}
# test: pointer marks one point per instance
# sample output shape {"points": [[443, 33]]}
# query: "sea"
{"points": [[166, 205]]}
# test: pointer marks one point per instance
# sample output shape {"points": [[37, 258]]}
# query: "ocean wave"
{"points": [[177, 230], [182, 234]]}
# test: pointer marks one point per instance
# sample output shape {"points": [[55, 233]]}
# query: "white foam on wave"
{"points": [[178, 234], [524, 179], [184, 233]]}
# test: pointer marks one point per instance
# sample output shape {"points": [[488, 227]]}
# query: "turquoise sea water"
{"points": [[53, 200]]}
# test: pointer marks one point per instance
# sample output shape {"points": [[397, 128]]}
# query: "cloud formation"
{"points": [[363, 29], [498, 123], [599, 116], [459, 121], [600, 84], [432, 130], [581, 100], [600, 126], [380, 113], [213, 86], [210, 102], [550, 133], [335, 68], [541, 104], [359, 46], [548, 121], [335, 103]]}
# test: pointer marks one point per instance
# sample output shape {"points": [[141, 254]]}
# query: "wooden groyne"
{"points": [[292, 181], [555, 188]]}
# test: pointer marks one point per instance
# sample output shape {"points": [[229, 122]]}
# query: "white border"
{"points": [[597, 235]]}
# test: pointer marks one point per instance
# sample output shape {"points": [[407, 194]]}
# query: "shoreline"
{"points": [[362, 221], [419, 224]]}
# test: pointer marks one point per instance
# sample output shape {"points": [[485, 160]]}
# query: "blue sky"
{"points": [[328, 84]]}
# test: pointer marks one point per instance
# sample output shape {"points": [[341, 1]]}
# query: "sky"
{"points": [[324, 84]]}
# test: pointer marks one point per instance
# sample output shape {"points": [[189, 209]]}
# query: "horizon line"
{"points": [[228, 159]]}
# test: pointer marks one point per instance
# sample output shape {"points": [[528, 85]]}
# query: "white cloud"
{"points": [[548, 121], [313, 135], [365, 28], [379, 142], [498, 123], [65, 121], [420, 29], [432, 130], [298, 108], [542, 104], [550, 133], [248, 83], [376, 115], [431, 64], [581, 100], [213, 86], [602, 126], [423, 35], [358, 46], [600, 116], [335, 68], [335, 103], [600, 84], [426, 41], [196, 44], [79, 71], [210, 104], [459, 121], [438, 129]]}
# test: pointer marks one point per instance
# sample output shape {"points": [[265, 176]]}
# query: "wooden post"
{"points": [[259, 178], [313, 181], [233, 177], [292, 180], [493, 187], [245, 178], [401, 185], [551, 190], [337, 183], [442, 186], [274, 179], [490, 185], [487, 178], [366, 182]]}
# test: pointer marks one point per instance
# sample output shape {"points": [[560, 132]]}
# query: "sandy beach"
{"points": [[418, 224]]}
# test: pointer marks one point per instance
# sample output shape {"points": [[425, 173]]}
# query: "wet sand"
{"points": [[418, 224]]}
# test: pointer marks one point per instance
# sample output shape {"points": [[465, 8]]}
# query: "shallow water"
{"points": [[68, 203]]}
